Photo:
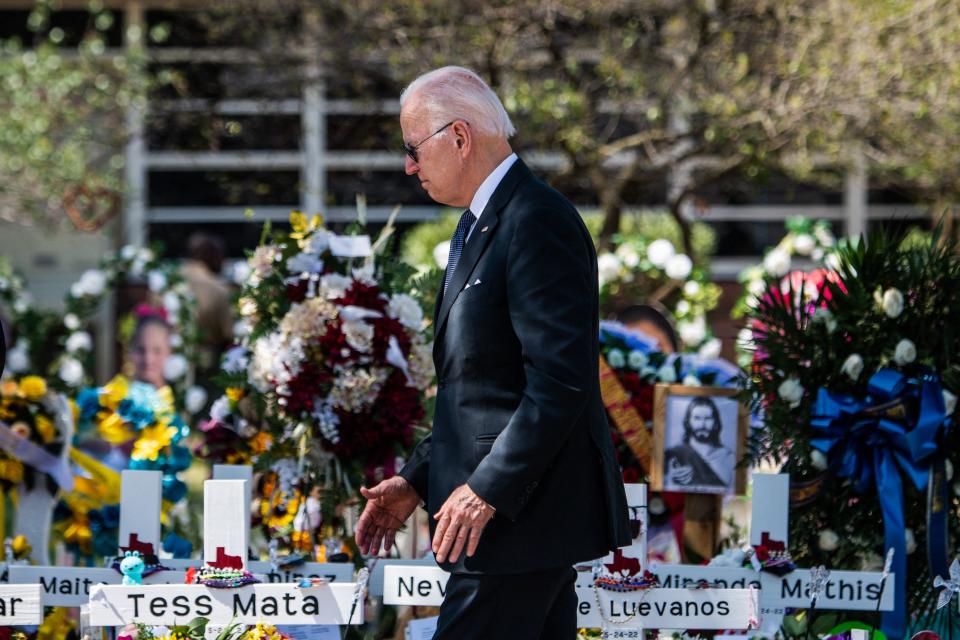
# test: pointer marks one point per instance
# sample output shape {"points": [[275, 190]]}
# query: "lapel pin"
{"points": [[484, 230]]}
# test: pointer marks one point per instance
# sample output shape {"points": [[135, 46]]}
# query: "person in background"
{"points": [[150, 348], [652, 320], [214, 315]]}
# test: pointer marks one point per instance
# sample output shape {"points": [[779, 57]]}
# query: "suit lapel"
{"points": [[479, 240]]}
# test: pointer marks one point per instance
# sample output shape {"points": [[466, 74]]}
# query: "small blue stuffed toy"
{"points": [[132, 568]]}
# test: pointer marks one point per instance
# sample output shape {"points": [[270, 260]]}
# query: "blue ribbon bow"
{"points": [[872, 440]]}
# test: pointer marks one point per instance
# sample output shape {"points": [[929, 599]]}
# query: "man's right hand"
{"points": [[389, 504]]}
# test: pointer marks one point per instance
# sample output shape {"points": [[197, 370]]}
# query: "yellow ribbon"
{"points": [[106, 481], [625, 416]]}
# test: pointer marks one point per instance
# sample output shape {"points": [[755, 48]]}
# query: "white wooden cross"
{"points": [[226, 537], [845, 590], [330, 571], [140, 503]]}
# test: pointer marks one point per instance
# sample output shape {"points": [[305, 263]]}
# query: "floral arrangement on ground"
{"points": [[333, 366], [855, 372]]}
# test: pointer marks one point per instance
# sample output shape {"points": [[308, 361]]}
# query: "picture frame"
{"points": [[699, 437]]}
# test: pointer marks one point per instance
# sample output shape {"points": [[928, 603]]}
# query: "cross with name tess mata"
{"points": [[140, 531]]}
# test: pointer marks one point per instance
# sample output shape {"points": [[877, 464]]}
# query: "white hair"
{"points": [[457, 93]]}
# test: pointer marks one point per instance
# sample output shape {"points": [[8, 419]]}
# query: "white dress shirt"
{"points": [[486, 189]]}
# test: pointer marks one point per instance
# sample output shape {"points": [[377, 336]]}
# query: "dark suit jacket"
{"points": [[519, 416]]}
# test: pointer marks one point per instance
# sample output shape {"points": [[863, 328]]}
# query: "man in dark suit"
{"points": [[519, 471]]}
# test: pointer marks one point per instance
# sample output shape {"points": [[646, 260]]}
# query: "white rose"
{"points": [[905, 353], [17, 359], [195, 399], [157, 281], [678, 267], [220, 408], [792, 391], [359, 335], [235, 360], [79, 341], [241, 329], [804, 244], [777, 262], [175, 367], [334, 285], [128, 252], [666, 373], [608, 267], [910, 539], [441, 253], [171, 302], [683, 308], [710, 349], [93, 282], [828, 540], [659, 252], [691, 380], [176, 340], [71, 372], [832, 262], [21, 304], [691, 288], [693, 332], [892, 302], [240, 272], [616, 359], [405, 309], [818, 460], [853, 366], [637, 359], [949, 402], [629, 257], [71, 321], [745, 338]]}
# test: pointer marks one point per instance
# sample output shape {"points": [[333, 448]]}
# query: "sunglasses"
{"points": [[411, 150]]}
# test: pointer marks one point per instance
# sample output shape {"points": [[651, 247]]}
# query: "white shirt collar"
{"points": [[488, 186]]}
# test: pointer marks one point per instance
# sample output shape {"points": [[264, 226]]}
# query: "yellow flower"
{"points": [[11, 470], [302, 228], [234, 393], [152, 440], [301, 540], [114, 392], [261, 442], [33, 387], [46, 429], [9, 389], [56, 626], [113, 429]]}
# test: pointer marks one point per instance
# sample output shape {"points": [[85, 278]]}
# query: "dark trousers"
{"points": [[532, 606]]}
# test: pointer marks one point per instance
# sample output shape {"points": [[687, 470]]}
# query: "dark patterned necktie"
{"points": [[456, 246]]}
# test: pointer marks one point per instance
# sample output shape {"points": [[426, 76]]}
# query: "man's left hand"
{"points": [[461, 521]]}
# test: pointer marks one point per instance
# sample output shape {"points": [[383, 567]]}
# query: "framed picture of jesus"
{"points": [[699, 437]]}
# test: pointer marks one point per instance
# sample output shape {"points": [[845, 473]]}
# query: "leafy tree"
{"points": [[63, 114]]}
